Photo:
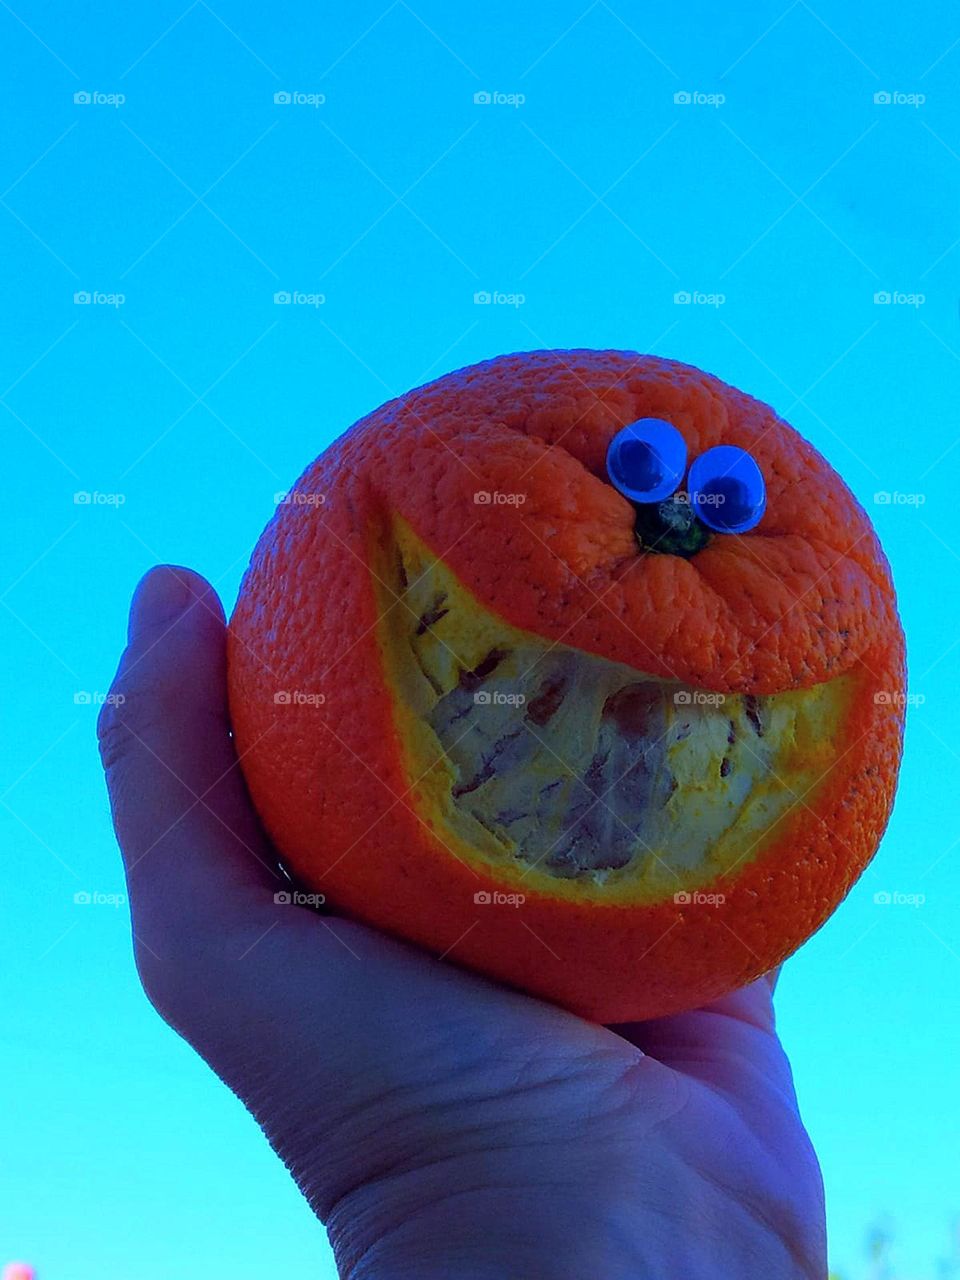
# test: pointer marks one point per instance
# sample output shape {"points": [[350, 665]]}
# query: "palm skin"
{"points": [[441, 1126]]}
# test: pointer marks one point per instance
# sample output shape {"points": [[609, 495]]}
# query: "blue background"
{"points": [[598, 199]]}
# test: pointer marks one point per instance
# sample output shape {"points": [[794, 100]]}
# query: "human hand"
{"points": [[441, 1126]]}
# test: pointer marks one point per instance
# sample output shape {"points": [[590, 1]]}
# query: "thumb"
{"points": [[191, 843]]}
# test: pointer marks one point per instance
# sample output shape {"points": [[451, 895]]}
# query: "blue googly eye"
{"points": [[646, 460], [726, 489]]}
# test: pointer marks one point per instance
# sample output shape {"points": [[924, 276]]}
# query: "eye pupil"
{"points": [[642, 464], [646, 460], [733, 493], [727, 489]]}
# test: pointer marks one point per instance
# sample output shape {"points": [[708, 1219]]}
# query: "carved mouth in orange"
{"points": [[574, 775]]}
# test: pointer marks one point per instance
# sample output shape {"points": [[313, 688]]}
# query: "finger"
{"points": [[190, 840], [728, 1043]]}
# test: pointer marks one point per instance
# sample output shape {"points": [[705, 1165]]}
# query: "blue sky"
{"points": [[786, 167]]}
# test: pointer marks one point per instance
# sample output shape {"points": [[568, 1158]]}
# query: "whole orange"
{"points": [[475, 708]]}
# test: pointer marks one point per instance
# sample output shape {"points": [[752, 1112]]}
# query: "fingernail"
{"points": [[161, 595]]}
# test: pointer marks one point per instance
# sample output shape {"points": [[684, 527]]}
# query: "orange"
{"points": [[476, 710]]}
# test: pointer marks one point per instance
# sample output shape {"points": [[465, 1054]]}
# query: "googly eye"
{"points": [[727, 490], [646, 460]]}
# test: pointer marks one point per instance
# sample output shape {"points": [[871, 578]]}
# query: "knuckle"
{"points": [[180, 967], [130, 721], [162, 984], [189, 977], [113, 734]]}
